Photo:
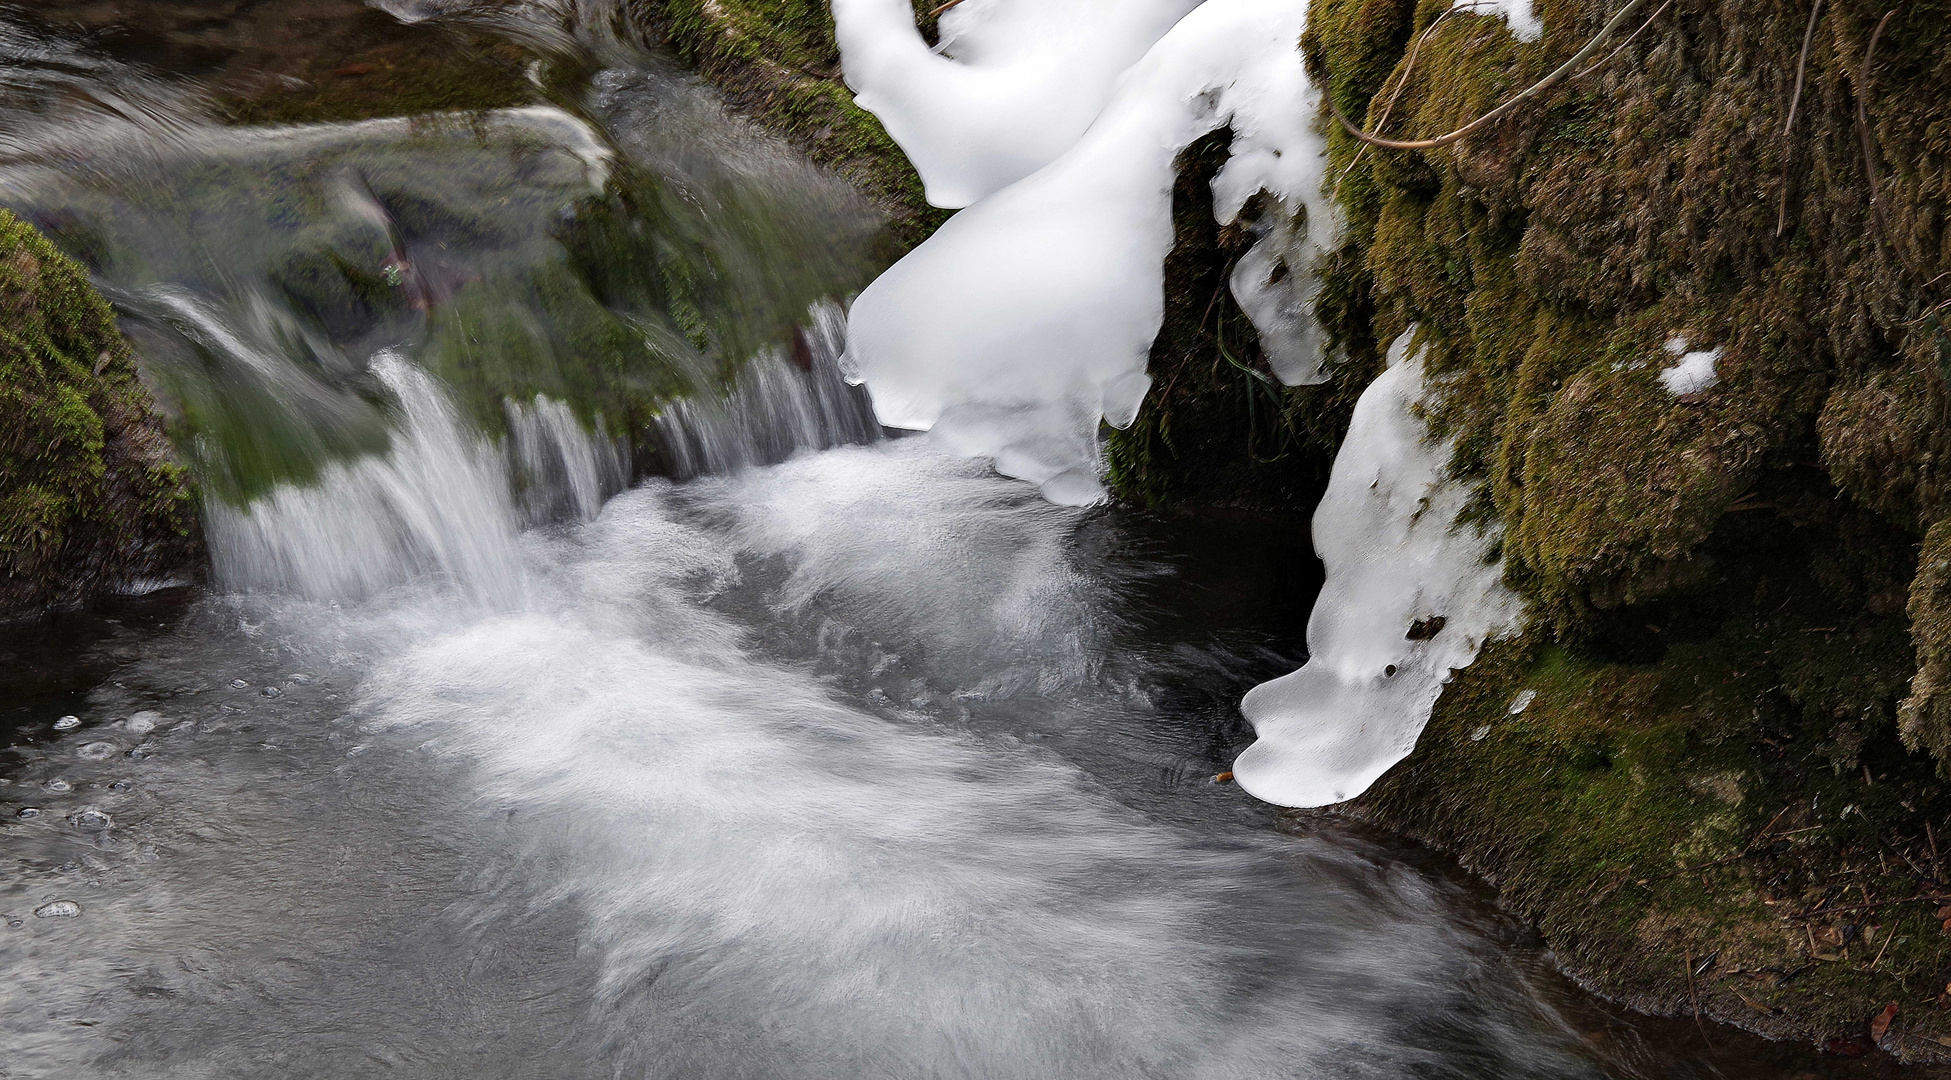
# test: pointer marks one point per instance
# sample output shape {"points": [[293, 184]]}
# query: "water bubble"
{"points": [[144, 722], [239, 684], [122, 786], [58, 909], [15, 922], [67, 723], [58, 786], [90, 817], [272, 691], [356, 751], [97, 751], [143, 751], [301, 679], [28, 813]]}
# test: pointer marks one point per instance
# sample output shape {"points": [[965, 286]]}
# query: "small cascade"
{"points": [[561, 472], [441, 501], [781, 403]]}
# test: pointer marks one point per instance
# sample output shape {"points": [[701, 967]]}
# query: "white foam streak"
{"points": [[1397, 558]]}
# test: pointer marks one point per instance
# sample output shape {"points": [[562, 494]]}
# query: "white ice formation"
{"points": [[1410, 596], [1692, 371], [1008, 88], [1029, 317], [1517, 15]]}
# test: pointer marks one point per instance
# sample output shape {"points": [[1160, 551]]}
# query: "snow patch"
{"points": [[1029, 317], [1410, 596], [1517, 15], [1010, 86], [1693, 372]]}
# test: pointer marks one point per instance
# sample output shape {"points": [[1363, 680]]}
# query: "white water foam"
{"points": [[1411, 595]]}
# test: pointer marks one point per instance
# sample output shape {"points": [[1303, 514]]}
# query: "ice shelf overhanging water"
{"points": [[1028, 318]]}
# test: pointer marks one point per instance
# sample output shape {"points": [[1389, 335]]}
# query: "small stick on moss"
{"points": [[1389, 105], [1795, 102], [1657, 12], [1557, 76], [1838, 908], [1688, 960], [1869, 141], [937, 12], [1802, 67], [1879, 952]]}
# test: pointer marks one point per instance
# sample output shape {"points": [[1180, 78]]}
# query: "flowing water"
{"points": [[814, 754]]}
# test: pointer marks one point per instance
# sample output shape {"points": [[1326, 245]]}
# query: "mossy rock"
{"points": [[777, 61], [90, 496]]}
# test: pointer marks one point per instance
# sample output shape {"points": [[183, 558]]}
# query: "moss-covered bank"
{"points": [[1726, 794], [90, 497]]}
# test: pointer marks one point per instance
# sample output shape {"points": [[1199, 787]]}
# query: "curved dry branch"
{"points": [[1868, 141], [1630, 38], [1802, 66], [1539, 87]]}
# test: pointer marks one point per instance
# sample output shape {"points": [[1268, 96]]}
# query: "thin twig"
{"points": [[1692, 869], [1503, 110], [1802, 67], [1879, 952], [1661, 10], [1389, 105], [1695, 995], [944, 7], [1794, 104], [1865, 907], [1869, 142]]}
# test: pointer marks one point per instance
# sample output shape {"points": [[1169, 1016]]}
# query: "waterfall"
{"points": [[782, 401], [438, 502]]}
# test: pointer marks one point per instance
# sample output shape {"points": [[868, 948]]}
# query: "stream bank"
{"points": [[1721, 792]]}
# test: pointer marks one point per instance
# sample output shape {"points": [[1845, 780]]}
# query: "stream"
{"points": [[530, 725]]}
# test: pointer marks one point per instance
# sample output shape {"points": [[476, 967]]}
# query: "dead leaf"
{"points": [[1881, 1025]]}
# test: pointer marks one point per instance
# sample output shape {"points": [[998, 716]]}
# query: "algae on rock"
{"points": [[90, 496]]}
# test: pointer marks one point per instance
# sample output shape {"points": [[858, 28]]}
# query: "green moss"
{"points": [[89, 496], [1718, 580]]}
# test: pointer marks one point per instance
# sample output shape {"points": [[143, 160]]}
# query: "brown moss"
{"points": [[1719, 579], [1925, 717]]}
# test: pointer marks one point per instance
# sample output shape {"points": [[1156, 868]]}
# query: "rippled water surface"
{"points": [[835, 757]]}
